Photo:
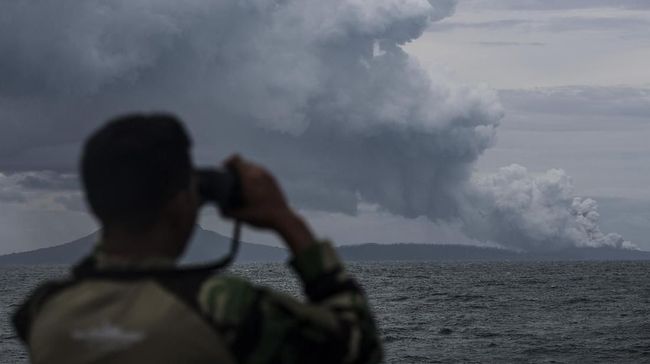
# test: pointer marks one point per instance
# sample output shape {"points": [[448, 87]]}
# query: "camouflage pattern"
{"points": [[264, 326]]}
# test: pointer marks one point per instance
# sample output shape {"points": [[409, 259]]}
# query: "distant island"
{"points": [[208, 245]]}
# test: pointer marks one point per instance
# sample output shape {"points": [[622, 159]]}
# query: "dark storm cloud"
{"points": [[312, 101]]}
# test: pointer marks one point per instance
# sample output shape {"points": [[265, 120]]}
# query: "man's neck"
{"points": [[131, 245]]}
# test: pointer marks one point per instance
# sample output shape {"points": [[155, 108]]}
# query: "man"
{"points": [[126, 303]]}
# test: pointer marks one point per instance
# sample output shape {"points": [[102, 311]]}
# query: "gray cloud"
{"points": [[41, 189], [9, 191], [600, 134], [576, 23], [509, 44], [556, 4], [48, 180], [72, 202], [296, 90], [586, 100], [555, 24], [490, 24], [321, 92]]}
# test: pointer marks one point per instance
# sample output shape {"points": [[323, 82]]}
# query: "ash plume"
{"points": [[320, 91], [526, 211]]}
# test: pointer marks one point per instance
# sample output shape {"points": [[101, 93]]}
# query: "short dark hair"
{"points": [[133, 165]]}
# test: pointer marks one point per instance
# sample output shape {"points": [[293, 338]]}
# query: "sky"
{"points": [[474, 122], [573, 78]]}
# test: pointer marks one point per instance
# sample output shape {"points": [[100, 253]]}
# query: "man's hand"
{"points": [[266, 207]]}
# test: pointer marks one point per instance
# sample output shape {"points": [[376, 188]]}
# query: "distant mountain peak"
{"points": [[208, 245], [205, 245]]}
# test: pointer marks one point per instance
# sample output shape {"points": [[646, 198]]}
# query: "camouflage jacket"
{"points": [[172, 318]]}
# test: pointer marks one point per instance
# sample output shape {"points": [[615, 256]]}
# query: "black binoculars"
{"points": [[221, 187]]}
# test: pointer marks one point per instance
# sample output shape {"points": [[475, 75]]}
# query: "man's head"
{"points": [[138, 176]]}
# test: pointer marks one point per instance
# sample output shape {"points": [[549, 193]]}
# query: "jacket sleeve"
{"points": [[264, 326]]}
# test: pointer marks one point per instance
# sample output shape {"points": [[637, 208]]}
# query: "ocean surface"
{"points": [[573, 312]]}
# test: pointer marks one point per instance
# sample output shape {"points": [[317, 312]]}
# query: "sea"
{"points": [[524, 312]]}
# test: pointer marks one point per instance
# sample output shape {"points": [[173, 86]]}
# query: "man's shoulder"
{"points": [[227, 298], [23, 316]]}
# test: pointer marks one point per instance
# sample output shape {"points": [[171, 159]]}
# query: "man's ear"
{"points": [[181, 206]]}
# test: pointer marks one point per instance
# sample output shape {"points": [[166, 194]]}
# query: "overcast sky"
{"points": [[542, 84], [573, 78]]}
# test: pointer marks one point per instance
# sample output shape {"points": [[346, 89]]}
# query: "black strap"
{"points": [[88, 266]]}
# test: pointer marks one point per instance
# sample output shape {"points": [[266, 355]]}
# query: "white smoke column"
{"points": [[320, 90], [524, 211], [589, 234]]}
